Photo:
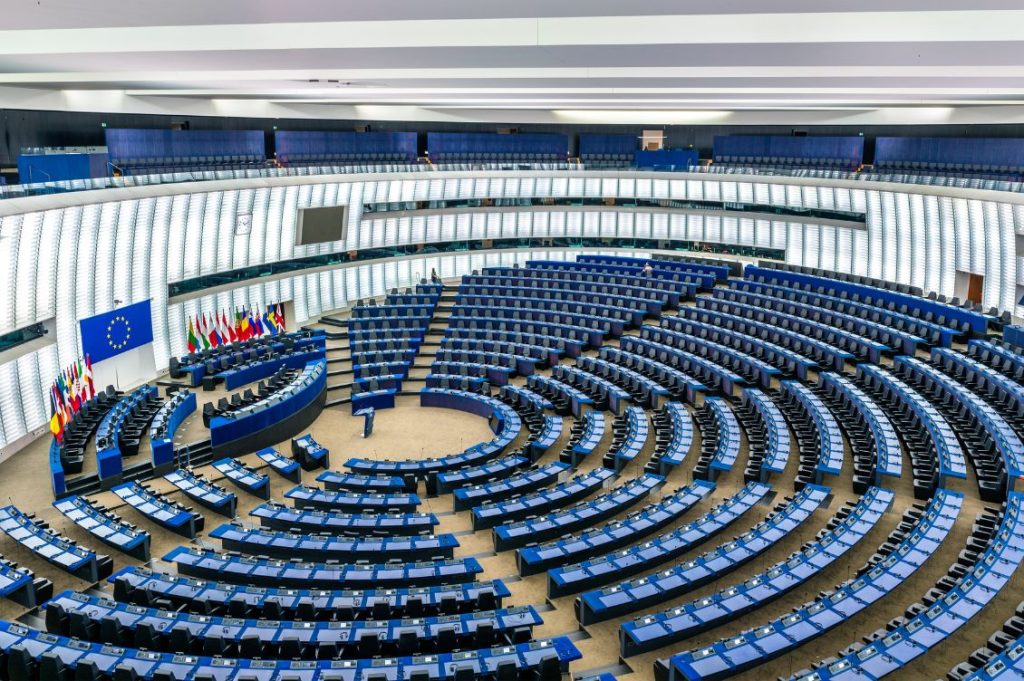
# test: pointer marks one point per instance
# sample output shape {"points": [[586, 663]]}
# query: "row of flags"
{"points": [[205, 331], [72, 388]]}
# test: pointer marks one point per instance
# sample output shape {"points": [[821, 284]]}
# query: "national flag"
{"points": [[271, 318], [89, 375], [267, 323], [202, 333], [211, 331], [56, 426], [228, 328], [190, 338], [239, 334], [279, 311], [257, 323], [244, 330]]}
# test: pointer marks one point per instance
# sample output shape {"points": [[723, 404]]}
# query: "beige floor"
{"points": [[413, 432]]}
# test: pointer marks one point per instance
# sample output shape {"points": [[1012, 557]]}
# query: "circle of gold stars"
{"points": [[127, 332]]}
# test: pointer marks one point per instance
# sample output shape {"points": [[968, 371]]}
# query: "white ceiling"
{"points": [[589, 61]]}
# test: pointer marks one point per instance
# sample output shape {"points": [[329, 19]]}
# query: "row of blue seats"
{"points": [[572, 336], [120, 432], [720, 439], [1004, 358], [597, 326], [609, 567], [523, 398], [629, 436], [143, 586], [250, 372], [280, 517], [584, 436], [495, 375], [786, 360], [845, 530], [204, 492], [471, 384], [682, 280], [601, 300], [480, 329], [673, 438], [1000, 659], [514, 364], [716, 312], [194, 365], [358, 482], [605, 394], [914, 327], [22, 586], [755, 308], [47, 544], [653, 300], [322, 546], [537, 353], [209, 564], [935, 452], [159, 509], [928, 625], [578, 277], [543, 501], [643, 390], [768, 437], [929, 310], [709, 374], [105, 525], [631, 595], [615, 534], [386, 322], [889, 568], [473, 476], [574, 518], [679, 384], [998, 390], [352, 502], [720, 272], [30, 651], [818, 426], [518, 483], [95, 618], [397, 311], [617, 316], [565, 399], [859, 408], [995, 448]]}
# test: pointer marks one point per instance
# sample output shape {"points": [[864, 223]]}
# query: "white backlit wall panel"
{"points": [[69, 263]]}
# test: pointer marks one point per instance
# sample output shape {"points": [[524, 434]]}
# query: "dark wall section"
{"points": [[20, 129]]}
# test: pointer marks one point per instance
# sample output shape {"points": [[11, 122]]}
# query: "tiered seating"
{"points": [[526, 481], [706, 372], [935, 452], [607, 568], [607, 151], [719, 439], [106, 526], [159, 509], [907, 548], [444, 483], [605, 394], [680, 385], [165, 423], [356, 482], [571, 519], [1001, 392], [629, 437], [994, 552], [212, 362], [613, 535], [142, 586], [1004, 358], [768, 440], [673, 437], [993, 158], [202, 491], [573, 275], [641, 389], [996, 451], [268, 572], [584, 436], [778, 151], [489, 147], [630, 596], [538, 355], [36, 536], [817, 432], [569, 339], [846, 528], [719, 271], [30, 649], [244, 477], [228, 406], [22, 586], [685, 283], [351, 502], [153, 151], [489, 515], [98, 618], [876, 449], [629, 290], [750, 368], [280, 517], [564, 398], [292, 544], [1002, 657], [304, 147], [80, 429]]}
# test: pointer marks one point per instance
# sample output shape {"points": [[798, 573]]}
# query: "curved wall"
{"points": [[65, 257]]}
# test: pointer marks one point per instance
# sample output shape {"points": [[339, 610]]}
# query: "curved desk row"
{"points": [[109, 434], [276, 418], [161, 432], [280, 517]]}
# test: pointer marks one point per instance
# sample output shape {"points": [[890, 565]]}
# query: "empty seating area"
{"points": [[775, 151], [150, 152], [479, 147]]}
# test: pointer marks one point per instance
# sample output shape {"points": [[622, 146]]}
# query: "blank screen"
{"points": [[320, 225]]}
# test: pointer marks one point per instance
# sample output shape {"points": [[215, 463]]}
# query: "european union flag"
{"points": [[111, 333]]}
